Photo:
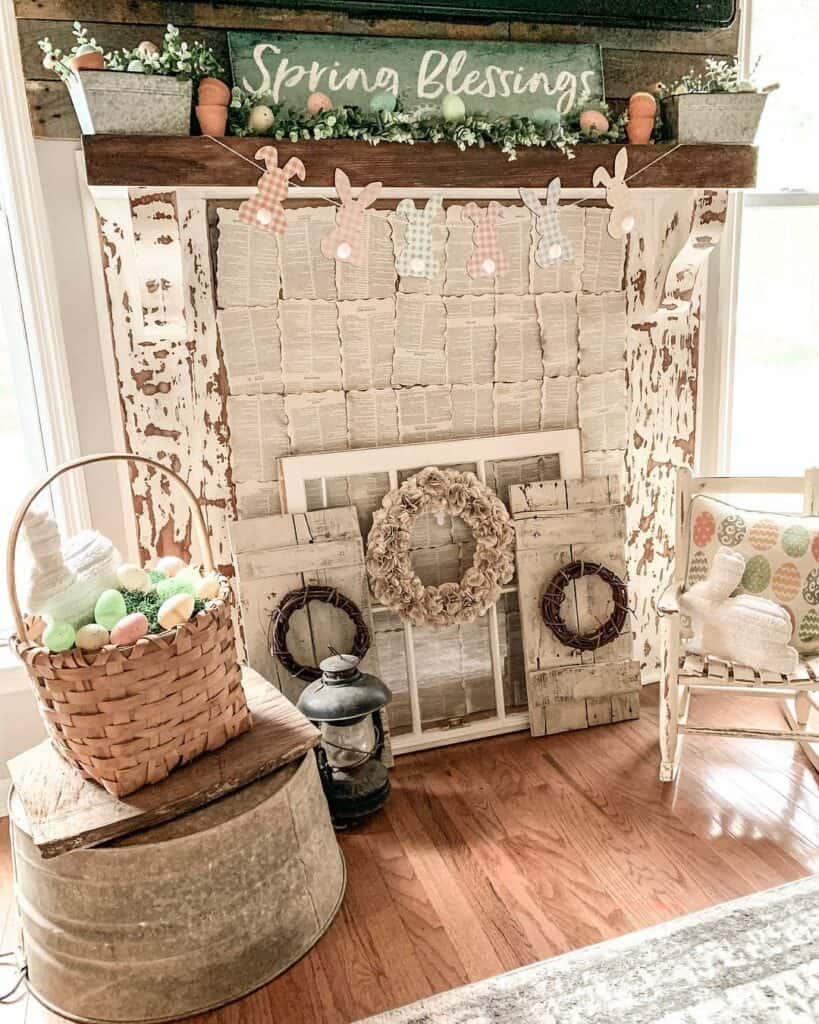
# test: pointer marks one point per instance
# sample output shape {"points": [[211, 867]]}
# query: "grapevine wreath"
{"points": [[555, 594], [394, 581]]}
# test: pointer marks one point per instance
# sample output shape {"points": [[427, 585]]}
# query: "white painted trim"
{"points": [[106, 342], [5, 793], [296, 470], [430, 738], [26, 214]]}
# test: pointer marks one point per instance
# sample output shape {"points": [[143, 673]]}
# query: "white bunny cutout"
{"points": [[618, 197], [346, 241], [552, 245]]}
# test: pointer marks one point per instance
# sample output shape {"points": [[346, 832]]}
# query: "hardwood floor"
{"points": [[496, 853]]}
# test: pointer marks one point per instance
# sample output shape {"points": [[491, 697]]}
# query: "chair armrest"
{"points": [[669, 603]]}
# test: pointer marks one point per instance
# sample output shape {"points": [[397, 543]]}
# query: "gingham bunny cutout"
{"points": [[417, 259], [345, 242], [552, 245], [264, 209], [618, 196], [487, 259]]}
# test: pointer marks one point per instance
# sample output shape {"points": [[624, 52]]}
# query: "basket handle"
{"points": [[198, 519]]}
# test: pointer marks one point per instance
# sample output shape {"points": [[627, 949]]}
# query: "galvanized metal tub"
{"points": [[726, 118], [186, 916], [127, 103]]}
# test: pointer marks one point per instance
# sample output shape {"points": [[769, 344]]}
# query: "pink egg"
{"points": [[318, 101], [170, 565], [130, 629], [593, 121]]}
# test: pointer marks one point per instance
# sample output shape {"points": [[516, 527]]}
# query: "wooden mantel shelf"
{"points": [[188, 161]]}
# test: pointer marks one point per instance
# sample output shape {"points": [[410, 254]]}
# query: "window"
{"points": [[764, 378], [22, 448]]}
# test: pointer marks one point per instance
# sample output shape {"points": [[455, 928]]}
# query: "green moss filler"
{"points": [[149, 605]]}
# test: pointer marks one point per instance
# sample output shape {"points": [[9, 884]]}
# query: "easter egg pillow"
{"points": [[781, 558]]}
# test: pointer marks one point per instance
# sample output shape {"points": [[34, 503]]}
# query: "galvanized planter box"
{"points": [[730, 118], [125, 103]]}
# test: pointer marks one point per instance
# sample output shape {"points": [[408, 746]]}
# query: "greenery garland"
{"points": [[423, 125]]}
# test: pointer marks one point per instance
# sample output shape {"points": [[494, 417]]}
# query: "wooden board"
{"points": [[496, 78], [557, 522], [155, 161], [66, 812]]}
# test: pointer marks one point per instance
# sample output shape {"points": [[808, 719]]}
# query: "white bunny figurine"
{"points": [[552, 245], [264, 209], [618, 196], [345, 242], [745, 629]]}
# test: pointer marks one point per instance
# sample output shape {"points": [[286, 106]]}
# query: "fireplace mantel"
{"points": [[149, 161]]}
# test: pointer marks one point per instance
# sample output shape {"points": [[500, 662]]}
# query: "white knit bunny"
{"points": [[552, 245], [745, 629], [618, 196], [345, 242]]}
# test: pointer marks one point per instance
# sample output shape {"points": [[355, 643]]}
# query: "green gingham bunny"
{"points": [[417, 259]]}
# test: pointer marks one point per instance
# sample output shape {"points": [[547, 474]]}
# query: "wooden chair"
{"points": [[684, 674]]}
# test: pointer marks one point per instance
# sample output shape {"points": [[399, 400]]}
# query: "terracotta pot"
{"points": [[212, 92], [88, 61], [212, 118]]}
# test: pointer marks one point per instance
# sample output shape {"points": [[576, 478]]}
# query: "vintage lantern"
{"points": [[345, 704]]}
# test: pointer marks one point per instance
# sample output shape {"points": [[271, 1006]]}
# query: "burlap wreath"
{"points": [[389, 565]]}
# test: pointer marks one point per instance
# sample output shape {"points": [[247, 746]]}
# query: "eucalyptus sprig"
{"points": [[409, 127], [175, 58], [719, 76], [59, 61]]}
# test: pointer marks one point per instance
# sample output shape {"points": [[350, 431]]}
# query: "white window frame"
{"points": [[22, 201]]}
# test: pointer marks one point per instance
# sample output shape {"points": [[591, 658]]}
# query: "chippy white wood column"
{"points": [[170, 377]]}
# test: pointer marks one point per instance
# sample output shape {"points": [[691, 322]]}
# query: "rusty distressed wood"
{"points": [[157, 162], [665, 274], [171, 380], [65, 812]]}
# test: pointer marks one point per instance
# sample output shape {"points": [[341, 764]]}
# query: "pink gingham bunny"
{"points": [[621, 219], [345, 241], [264, 209], [487, 258]]}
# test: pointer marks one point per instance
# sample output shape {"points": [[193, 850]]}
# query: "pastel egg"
{"points": [[208, 587], [175, 611], [136, 67], [814, 547], [763, 535], [809, 628], [698, 569], [757, 574], [110, 608], [317, 102], [383, 103], [260, 119], [190, 574], [92, 637], [170, 587], [786, 582], [453, 107], [131, 577], [130, 629], [704, 529], [795, 541], [593, 122], [59, 636], [146, 46], [170, 565]]}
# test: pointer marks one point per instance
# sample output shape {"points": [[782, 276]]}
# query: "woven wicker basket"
{"points": [[127, 716]]}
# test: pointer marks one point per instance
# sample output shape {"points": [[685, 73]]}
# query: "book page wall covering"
{"points": [[321, 356]]}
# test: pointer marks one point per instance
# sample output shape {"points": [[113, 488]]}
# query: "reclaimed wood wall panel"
{"points": [[632, 58]]}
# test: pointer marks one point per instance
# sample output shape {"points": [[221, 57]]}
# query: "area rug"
{"points": [[753, 960]]}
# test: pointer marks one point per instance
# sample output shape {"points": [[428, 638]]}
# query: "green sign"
{"points": [[502, 79]]}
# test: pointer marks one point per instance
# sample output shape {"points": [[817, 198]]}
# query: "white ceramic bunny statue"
{"points": [[346, 242], [745, 629], [264, 209], [552, 244], [618, 196]]}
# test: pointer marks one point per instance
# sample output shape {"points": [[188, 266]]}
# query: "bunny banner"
{"points": [[552, 245], [618, 196], [346, 242], [417, 259], [264, 209], [487, 259]]}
